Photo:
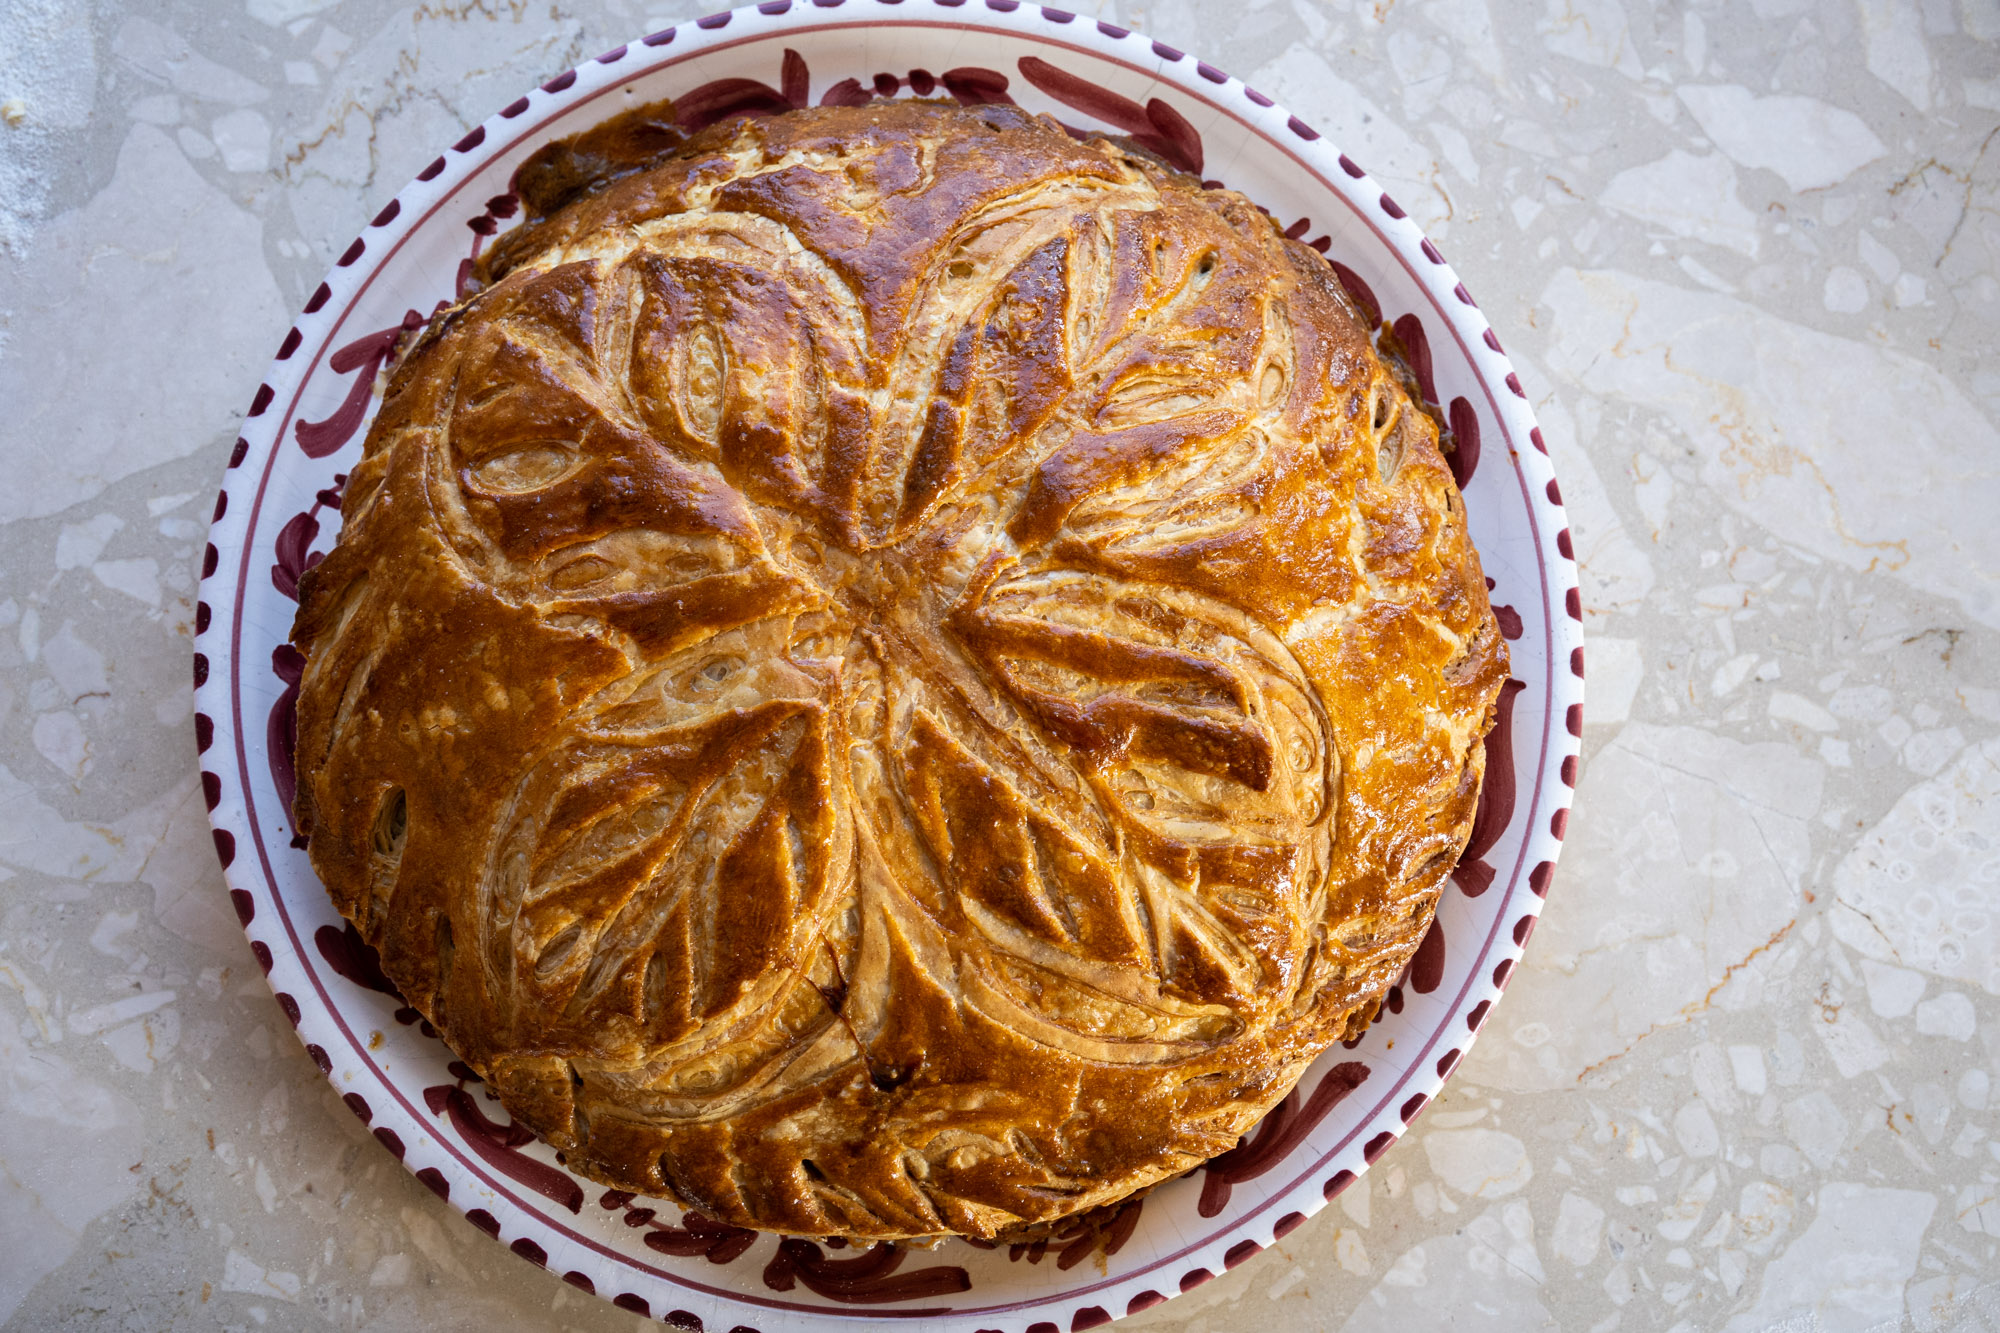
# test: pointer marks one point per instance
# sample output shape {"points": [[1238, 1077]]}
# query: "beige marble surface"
{"points": [[1747, 256]]}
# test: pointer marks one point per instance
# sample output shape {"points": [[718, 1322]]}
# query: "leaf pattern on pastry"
{"points": [[912, 698]]}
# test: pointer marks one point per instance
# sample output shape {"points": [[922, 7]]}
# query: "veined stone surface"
{"points": [[1747, 259]]}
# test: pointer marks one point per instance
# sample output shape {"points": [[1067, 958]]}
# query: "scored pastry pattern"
{"points": [[889, 656]]}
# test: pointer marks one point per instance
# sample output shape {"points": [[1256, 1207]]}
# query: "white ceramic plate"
{"points": [[279, 509]]}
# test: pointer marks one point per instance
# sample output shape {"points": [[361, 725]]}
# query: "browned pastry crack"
{"points": [[894, 672]]}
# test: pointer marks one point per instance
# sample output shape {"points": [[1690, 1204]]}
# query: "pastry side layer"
{"points": [[895, 673]]}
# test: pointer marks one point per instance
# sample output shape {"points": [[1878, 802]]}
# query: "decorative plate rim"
{"points": [[220, 684]]}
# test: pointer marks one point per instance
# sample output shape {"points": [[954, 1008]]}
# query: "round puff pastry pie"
{"points": [[893, 672]]}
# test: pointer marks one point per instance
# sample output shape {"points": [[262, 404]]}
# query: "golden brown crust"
{"points": [[895, 673]]}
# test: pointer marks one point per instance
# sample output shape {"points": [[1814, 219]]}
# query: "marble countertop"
{"points": [[1745, 256]]}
